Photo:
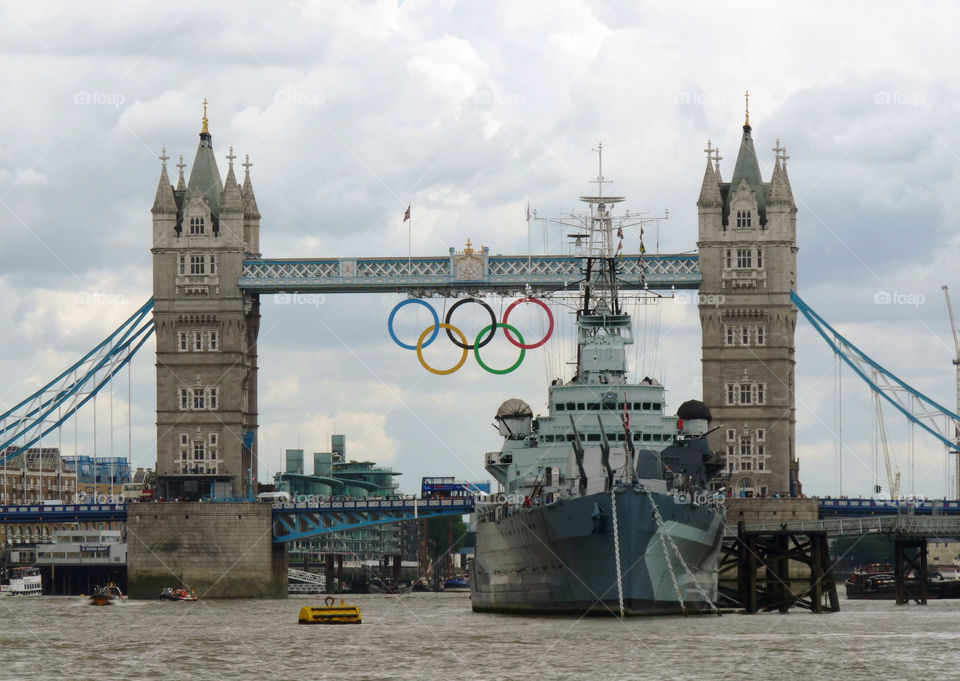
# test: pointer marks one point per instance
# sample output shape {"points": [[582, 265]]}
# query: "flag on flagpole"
{"points": [[619, 232], [406, 215], [528, 211]]}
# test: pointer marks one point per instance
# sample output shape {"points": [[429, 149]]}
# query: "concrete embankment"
{"points": [[219, 550]]}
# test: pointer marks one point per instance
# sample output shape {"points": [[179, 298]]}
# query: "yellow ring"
{"points": [[463, 358]]}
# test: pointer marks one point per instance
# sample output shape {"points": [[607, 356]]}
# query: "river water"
{"points": [[436, 636]]}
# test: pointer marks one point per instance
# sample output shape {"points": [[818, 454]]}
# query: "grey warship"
{"points": [[604, 506]]}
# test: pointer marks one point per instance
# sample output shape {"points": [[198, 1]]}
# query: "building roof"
{"points": [[204, 175], [747, 170]]}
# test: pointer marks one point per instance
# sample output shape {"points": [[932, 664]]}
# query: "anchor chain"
{"points": [[664, 539], [616, 549]]}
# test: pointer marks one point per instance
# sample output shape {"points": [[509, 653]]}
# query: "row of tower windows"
{"points": [[746, 393], [745, 335], [743, 219], [199, 456], [746, 451], [745, 258], [198, 341], [195, 399], [198, 264], [196, 225]]}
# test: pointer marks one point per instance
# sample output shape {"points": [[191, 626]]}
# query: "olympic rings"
{"points": [[453, 332], [449, 328], [476, 344], [530, 346], [436, 324], [506, 328]]}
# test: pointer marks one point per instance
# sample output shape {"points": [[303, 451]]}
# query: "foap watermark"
{"points": [[699, 498], [95, 298], [95, 98], [899, 298], [896, 97], [313, 99], [99, 498], [485, 97], [699, 98], [702, 299], [313, 299]]}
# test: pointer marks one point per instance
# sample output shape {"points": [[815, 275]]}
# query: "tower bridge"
{"points": [[209, 275]]}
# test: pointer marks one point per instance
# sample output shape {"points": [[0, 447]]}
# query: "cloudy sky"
{"points": [[467, 111]]}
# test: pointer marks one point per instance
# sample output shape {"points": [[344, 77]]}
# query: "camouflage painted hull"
{"points": [[560, 558]]}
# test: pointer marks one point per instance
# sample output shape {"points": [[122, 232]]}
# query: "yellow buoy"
{"points": [[330, 614]]}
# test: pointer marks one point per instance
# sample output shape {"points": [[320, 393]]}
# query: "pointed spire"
{"points": [[204, 175], [747, 169], [710, 189], [181, 185], [232, 200], [780, 190], [164, 201], [250, 209]]}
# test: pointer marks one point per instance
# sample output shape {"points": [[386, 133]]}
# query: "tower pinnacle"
{"points": [[746, 99], [205, 130]]}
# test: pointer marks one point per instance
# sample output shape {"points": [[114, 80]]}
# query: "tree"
{"points": [[440, 531], [853, 551]]}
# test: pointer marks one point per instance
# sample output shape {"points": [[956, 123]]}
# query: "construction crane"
{"points": [[956, 363]]}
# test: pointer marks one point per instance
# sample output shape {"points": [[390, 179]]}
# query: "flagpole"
{"points": [[529, 240]]}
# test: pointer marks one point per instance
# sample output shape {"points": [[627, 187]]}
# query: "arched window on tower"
{"points": [[196, 225], [744, 219]]}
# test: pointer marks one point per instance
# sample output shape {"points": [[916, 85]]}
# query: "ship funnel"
{"points": [[695, 416]]}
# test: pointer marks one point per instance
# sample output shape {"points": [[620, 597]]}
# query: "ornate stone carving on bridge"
{"points": [[348, 268], [470, 265]]}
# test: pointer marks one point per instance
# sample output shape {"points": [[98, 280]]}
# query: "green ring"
{"points": [[476, 349]]}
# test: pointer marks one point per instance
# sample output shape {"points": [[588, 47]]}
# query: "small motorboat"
{"points": [[106, 595], [171, 594], [330, 613], [456, 584]]}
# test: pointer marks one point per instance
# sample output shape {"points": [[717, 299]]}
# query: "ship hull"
{"points": [[560, 558]]}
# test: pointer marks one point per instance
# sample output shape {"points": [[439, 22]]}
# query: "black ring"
{"points": [[493, 320]]}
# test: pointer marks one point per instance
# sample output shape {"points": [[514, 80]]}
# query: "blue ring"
{"points": [[408, 301]]}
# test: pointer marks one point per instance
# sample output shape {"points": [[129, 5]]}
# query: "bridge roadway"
{"points": [[474, 273], [302, 520], [291, 521]]}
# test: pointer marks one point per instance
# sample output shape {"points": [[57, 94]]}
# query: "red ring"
{"points": [[528, 346]]}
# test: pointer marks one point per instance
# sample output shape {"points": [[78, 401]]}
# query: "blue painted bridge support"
{"points": [[296, 521], [833, 508], [62, 513], [291, 521]]}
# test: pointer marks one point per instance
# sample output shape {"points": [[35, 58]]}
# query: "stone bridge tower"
{"points": [[206, 329], [748, 256]]}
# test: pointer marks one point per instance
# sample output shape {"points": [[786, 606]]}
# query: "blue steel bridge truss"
{"points": [[304, 521], [931, 416], [457, 274], [42, 413], [291, 521]]}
